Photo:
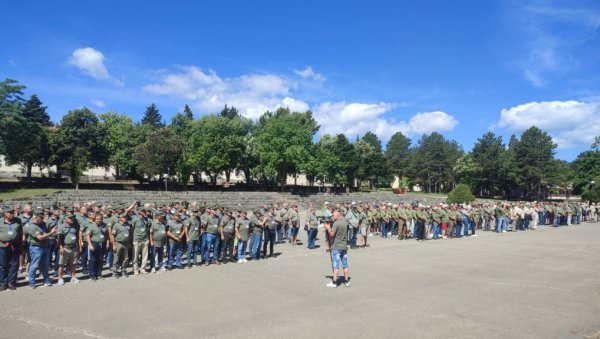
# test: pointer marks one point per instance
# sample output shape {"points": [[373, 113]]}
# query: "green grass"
{"points": [[24, 193]]}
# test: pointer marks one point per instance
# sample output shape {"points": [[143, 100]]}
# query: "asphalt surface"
{"points": [[535, 284]]}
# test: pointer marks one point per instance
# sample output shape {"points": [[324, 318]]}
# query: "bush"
{"points": [[460, 194]]}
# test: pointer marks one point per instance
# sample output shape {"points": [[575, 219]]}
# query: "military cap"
{"points": [[38, 211], [69, 215], [194, 209], [8, 209]]}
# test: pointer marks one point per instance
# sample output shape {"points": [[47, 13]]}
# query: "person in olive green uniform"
{"points": [[68, 244], [312, 228], [11, 234], [257, 232], [242, 233], [141, 231], [158, 240], [120, 238], [212, 237], [293, 224], [339, 251], [97, 238], [37, 236], [269, 227], [175, 233], [51, 222], [227, 229], [192, 225], [110, 219]]}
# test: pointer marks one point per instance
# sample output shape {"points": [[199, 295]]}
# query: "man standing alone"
{"points": [[339, 253]]}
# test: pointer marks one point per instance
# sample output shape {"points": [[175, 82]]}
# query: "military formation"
{"points": [[94, 241]]}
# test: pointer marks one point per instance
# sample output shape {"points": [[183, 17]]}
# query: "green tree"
{"points": [[432, 160], [158, 155], [218, 144], [460, 194], [534, 157], [230, 112], [35, 112], [396, 154], [11, 106], [122, 139], [152, 117], [488, 154], [465, 170], [187, 112], [79, 143], [585, 167], [284, 139]]}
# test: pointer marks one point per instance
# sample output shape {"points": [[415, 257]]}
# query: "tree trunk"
{"points": [[227, 177], [29, 166]]}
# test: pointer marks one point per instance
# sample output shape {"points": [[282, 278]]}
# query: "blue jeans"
{"points": [[211, 239], [279, 230], [174, 255], [160, 252], [256, 240], [436, 230], [466, 226], [393, 228], [40, 256], [241, 250], [9, 266], [191, 252], [109, 256], [384, 229], [312, 236], [54, 254], [95, 260], [203, 247], [500, 224], [84, 257]]}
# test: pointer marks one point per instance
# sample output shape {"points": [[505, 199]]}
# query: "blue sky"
{"points": [[461, 68]]}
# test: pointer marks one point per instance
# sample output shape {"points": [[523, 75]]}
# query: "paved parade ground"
{"points": [[534, 284]]}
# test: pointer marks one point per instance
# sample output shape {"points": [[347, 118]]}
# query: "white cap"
{"points": [[353, 203]]}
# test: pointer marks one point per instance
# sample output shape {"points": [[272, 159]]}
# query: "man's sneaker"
{"points": [[153, 270], [245, 260], [60, 282], [240, 261], [331, 284], [163, 269], [32, 286], [74, 281], [474, 235], [347, 284]]}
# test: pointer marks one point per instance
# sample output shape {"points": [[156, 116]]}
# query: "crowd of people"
{"points": [[84, 239]]}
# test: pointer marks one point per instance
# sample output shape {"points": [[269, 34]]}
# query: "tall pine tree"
{"points": [[152, 117]]}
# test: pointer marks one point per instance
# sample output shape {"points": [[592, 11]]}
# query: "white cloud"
{"points": [[358, 118], [308, 73], [98, 103], [251, 94], [90, 62], [571, 123]]}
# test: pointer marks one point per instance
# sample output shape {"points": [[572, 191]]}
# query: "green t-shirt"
{"points": [[9, 232], [176, 229], [257, 228], [51, 223], [271, 223], [227, 224], [31, 231], [352, 217], [122, 233], [211, 226], [340, 238], [69, 236], [444, 216], [193, 227], [96, 232], [313, 221], [243, 227], [141, 229], [159, 233]]}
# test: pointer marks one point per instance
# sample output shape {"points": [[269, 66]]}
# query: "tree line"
{"points": [[277, 145]]}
